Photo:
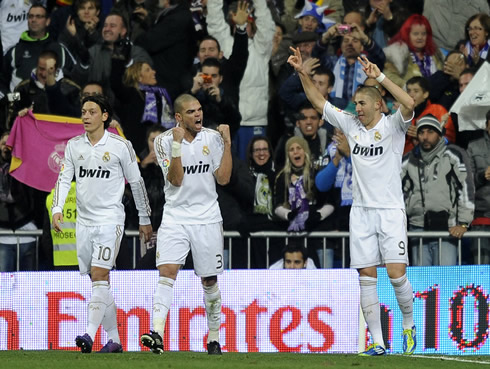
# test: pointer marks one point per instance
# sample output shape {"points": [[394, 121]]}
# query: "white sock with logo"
{"points": [[100, 299], [370, 308], [161, 303], [212, 302], [109, 322], [404, 296]]}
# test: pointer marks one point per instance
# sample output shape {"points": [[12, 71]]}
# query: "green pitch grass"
{"points": [[177, 360]]}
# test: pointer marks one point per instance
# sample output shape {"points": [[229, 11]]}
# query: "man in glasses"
{"points": [[22, 58]]}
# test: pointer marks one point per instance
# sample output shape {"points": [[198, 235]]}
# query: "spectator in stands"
{"points": [[296, 200], [217, 107], [13, 21], [346, 68], [152, 175], [479, 153], [448, 19], [47, 91], [337, 176], [294, 256], [171, 42], [437, 182], [141, 101], [412, 52], [254, 86], [444, 86], [115, 45], [22, 58], [308, 123], [16, 213], [384, 19], [139, 15], [233, 67], [83, 28], [477, 33], [418, 88]]}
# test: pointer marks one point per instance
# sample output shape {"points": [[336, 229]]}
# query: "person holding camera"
{"points": [[346, 67], [217, 107], [439, 193]]}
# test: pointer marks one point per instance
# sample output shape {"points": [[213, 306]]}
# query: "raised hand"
{"points": [[224, 130], [241, 15], [295, 60], [371, 69], [310, 65], [178, 134]]}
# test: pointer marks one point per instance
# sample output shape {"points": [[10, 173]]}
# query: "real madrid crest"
{"points": [[205, 150], [377, 136], [106, 157]]}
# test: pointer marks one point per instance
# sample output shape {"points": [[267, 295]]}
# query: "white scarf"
{"points": [[339, 72]]}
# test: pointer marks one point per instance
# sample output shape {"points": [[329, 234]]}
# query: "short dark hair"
{"points": [[49, 54], [39, 5], [295, 246], [210, 38], [212, 62], [326, 71], [421, 81], [104, 105]]}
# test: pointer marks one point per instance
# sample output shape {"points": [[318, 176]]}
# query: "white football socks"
{"points": [[212, 302], [370, 308], [100, 299], [161, 303], [404, 296], [109, 322]]}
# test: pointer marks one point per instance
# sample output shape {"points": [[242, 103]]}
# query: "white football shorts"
{"points": [[98, 246], [204, 240], [377, 236]]}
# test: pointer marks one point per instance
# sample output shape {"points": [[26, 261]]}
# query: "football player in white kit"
{"points": [[193, 159], [378, 224], [100, 161]]}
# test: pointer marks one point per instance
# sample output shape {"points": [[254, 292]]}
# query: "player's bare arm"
{"points": [[175, 171], [57, 221], [223, 173], [314, 96], [372, 70]]}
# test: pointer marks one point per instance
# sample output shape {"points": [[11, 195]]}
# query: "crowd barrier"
{"points": [[325, 236], [306, 311]]}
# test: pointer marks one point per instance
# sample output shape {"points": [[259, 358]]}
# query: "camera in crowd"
{"points": [[207, 78], [122, 49], [344, 29]]}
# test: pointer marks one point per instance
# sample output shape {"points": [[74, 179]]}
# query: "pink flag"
{"points": [[38, 144]]}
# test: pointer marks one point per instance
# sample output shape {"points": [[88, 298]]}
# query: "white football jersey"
{"points": [[376, 156], [100, 173], [196, 200]]}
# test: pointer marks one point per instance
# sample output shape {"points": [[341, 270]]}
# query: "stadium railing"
{"points": [[231, 235]]}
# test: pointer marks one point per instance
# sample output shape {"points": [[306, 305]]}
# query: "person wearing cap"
{"points": [[439, 193], [101, 162]]}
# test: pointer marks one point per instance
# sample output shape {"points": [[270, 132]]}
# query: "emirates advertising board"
{"points": [[305, 311]]}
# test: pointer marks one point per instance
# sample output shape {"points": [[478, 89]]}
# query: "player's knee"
{"points": [[169, 270], [209, 281]]}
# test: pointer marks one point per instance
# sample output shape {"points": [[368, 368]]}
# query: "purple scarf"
{"points": [[298, 201], [424, 65], [151, 112]]}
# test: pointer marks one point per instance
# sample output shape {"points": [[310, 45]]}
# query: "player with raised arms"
{"points": [[100, 162], [378, 224], [193, 159]]}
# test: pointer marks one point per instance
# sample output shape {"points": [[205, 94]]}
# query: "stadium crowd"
{"points": [[291, 170]]}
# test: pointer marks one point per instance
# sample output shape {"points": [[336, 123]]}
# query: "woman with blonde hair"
{"points": [[296, 198], [141, 102]]}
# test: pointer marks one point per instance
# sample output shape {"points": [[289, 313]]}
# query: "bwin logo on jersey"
{"points": [[367, 151], [94, 173], [199, 168]]}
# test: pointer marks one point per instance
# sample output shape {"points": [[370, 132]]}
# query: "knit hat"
{"points": [[300, 141], [429, 121]]}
